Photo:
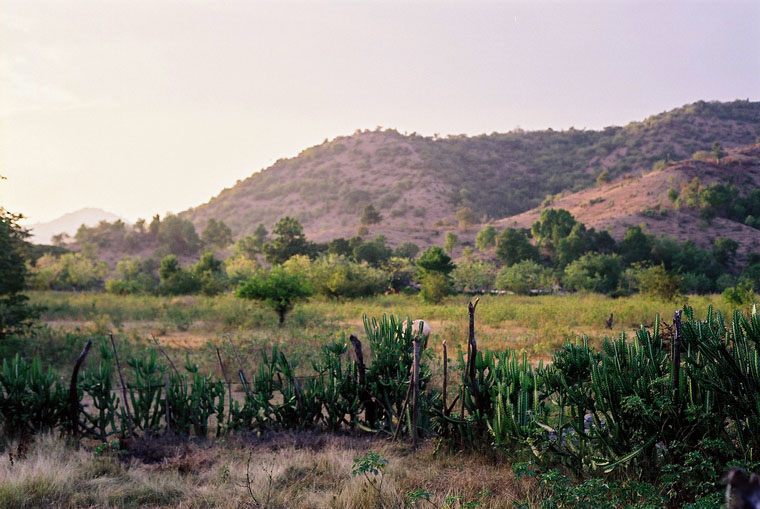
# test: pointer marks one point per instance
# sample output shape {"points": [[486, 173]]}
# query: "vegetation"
{"points": [[279, 289], [15, 313]]}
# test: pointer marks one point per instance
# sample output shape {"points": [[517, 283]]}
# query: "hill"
{"points": [[418, 183], [658, 200], [69, 223]]}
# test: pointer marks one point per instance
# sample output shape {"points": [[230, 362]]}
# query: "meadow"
{"points": [[267, 467]]}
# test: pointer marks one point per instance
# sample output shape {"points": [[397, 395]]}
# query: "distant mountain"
{"points": [[69, 223], [419, 183], [650, 199]]}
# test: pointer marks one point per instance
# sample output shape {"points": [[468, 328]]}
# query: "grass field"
{"points": [[535, 325]]}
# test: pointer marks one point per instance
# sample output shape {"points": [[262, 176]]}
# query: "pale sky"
{"points": [[139, 107]]}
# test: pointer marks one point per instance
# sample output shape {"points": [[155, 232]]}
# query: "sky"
{"points": [[142, 107]]}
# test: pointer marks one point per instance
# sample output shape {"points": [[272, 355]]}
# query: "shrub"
{"points": [[472, 275], [486, 238], [435, 287], [594, 272], [176, 280], [525, 276], [279, 289]]}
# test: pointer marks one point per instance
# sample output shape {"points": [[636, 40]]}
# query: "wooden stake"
{"points": [[229, 384], [445, 376], [416, 390], [179, 378], [73, 395], [677, 354], [123, 387], [241, 373]]}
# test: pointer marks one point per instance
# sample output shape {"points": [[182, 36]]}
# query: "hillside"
{"points": [[69, 223], [418, 183], [617, 205]]}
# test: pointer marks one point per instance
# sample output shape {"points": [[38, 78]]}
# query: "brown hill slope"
{"points": [[418, 183], [643, 200]]}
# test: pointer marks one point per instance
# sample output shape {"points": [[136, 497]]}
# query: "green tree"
{"points": [[724, 250], [406, 250], [486, 238], [513, 246], [525, 277], [466, 218], [290, 241], [636, 245], [216, 234], [472, 274], [434, 267], [178, 236], [370, 215], [135, 276], [552, 226], [176, 280], [279, 289], [374, 252], [594, 272], [15, 312], [211, 273], [451, 242]]}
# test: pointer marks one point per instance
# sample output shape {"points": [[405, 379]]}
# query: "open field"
{"points": [[537, 325]]}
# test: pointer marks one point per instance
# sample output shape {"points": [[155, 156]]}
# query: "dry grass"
{"points": [[289, 470]]}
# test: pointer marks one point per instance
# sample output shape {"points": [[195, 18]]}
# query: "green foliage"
{"points": [[451, 242], [370, 215], [176, 280], [486, 238], [216, 234], [466, 218], [434, 260], [338, 277], [594, 272], [740, 295], [71, 271], [472, 274], [279, 289], [552, 226], [435, 287], [374, 252], [290, 241], [654, 280], [524, 277], [251, 245], [239, 269], [32, 400], [15, 313], [134, 276], [512, 246], [178, 236], [724, 250], [211, 274], [406, 250], [636, 245]]}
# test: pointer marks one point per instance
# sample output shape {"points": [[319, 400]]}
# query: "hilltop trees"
{"points": [[216, 234]]}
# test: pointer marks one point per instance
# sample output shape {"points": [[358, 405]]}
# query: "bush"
{"points": [[136, 276], [71, 271], [525, 276], [594, 272], [435, 287], [15, 314], [279, 289], [336, 276], [473, 275], [175, 280], [654, 280]]}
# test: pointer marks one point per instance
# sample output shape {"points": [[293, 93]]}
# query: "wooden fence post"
{"points": [[229, 384], [241, 373], [416, 390], [445, 377], [677, 355], [73, 396], [166, 401], [176, 372], [123, 387]]}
